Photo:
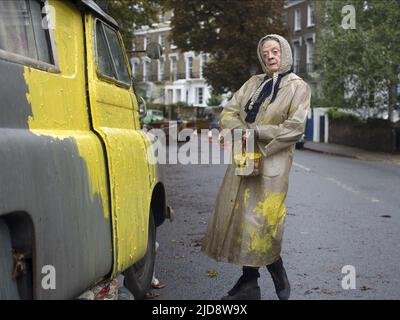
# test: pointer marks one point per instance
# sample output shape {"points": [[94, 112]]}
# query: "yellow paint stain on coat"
{"points": [[273, 210], [259, 243], [58, 100]]}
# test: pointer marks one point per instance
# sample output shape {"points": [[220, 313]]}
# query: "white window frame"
{"points": [[310, 14], [146, 62], [189, 67], [297, 19], [161, 68], [203, 61], [146, 41], [161, 40], [135, 62], [309, 54], [198, 89], [173, 60]]}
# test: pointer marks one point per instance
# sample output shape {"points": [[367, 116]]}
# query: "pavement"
{"points": [[351, 152]]}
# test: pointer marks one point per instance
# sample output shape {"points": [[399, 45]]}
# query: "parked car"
{"points": [[153, 116], [79, 201]]}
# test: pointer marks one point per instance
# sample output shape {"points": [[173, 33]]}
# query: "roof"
{"points": [[92, 6]]}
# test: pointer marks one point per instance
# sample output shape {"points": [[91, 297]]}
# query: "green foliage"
{"points": [[229, 31], [335, 114], [130, 14], [365, 59], [214, 100]]}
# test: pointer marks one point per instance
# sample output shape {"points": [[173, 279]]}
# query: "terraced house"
{"points": [[177, 76]]}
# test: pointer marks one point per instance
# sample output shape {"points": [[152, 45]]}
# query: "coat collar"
{"points": [[285, 80]]}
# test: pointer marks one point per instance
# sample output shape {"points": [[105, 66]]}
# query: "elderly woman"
{"points": [[246, 225]]}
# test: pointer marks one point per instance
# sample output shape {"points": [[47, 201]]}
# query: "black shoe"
{"points": [[244, 290], [281, 282]]}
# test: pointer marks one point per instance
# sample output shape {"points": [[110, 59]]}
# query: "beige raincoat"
{"points": [[247, 222]]}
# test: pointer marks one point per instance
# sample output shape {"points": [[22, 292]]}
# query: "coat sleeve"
{"points": [[230, 116], [290, 131]]}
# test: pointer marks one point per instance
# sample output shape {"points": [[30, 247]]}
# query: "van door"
{"points": [[113, 108]]}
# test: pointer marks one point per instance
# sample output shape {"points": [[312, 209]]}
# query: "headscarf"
{"points": [[269, 88]]}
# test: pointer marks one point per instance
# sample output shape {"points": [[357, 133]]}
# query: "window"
{"points": [[135, 67], [310, 16], [203, 62], [174, 68], [297, 20], [190, 67], [111, 59], [178, 95], [146, 41], [161, 70], [161, 40], [146, 70], [23, 31], [310, 52], [200, 96]]}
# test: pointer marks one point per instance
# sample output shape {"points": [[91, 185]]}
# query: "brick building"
{"points": [[302, 28]]}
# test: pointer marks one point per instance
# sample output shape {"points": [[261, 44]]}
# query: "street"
{"points": [[340, 212]]}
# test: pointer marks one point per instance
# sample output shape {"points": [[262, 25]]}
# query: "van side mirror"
{"points": [[154, 50]]}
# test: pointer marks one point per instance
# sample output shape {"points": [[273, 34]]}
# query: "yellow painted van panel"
{"points": [[58, 100], [113, 115]]}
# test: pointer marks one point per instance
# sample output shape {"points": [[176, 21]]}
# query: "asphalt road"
{"points": [[340, 211]]}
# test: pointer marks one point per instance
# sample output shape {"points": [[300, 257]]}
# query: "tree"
{"points": [[130, 14], [359, 67], [229, 31]]}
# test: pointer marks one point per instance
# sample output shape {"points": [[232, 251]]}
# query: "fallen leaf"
{"points": [[151, 295], [212, 273], [364, 288]]}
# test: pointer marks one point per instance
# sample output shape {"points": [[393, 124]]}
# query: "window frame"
{"points": [[310, 15], [200, 89], [297, 19], [31, 62], [100, 75]]}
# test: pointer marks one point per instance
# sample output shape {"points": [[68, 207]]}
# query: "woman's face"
{"points": [[271, 54]]}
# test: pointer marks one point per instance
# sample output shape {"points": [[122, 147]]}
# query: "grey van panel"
{"points": [[46, 178]]}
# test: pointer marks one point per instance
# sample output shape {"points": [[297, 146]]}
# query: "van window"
{"points": [[111, 59], [21, 30], [103, 55]]}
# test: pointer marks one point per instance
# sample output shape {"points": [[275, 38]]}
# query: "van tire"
{"points": [[138, 277]]}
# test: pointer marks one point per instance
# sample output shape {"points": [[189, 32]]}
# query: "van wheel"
{"points": [[138, 277]]}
